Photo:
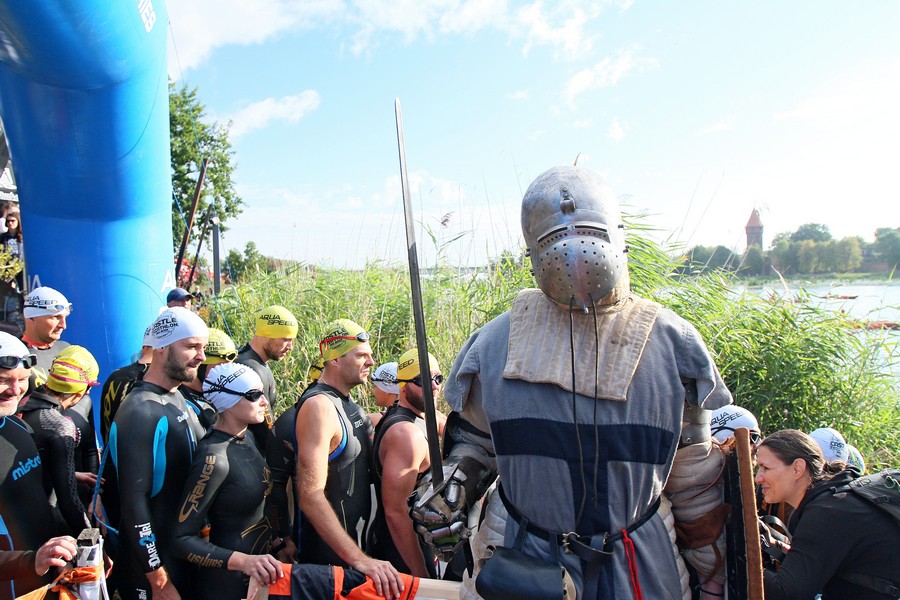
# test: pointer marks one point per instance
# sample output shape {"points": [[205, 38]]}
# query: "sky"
{"points": [[695, 112]]}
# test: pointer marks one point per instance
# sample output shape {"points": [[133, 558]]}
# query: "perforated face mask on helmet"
{"points": [[574, 233]]}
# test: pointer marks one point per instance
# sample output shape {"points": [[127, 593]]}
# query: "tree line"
{"points": [[809, 250]]}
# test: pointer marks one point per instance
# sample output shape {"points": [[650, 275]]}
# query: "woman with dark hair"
{"points": [[842, 546]]}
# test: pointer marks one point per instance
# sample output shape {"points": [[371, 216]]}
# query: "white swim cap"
{"points": [[728, 418], [832, 443], [175, 324]]}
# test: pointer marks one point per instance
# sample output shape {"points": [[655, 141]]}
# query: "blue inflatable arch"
{"points": [[84, 102]]}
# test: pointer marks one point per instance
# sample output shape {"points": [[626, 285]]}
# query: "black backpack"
{"points": [[881, 489]]}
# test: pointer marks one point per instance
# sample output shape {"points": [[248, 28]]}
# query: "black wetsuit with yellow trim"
{"points": [[116, 387], [26, 521], [380, 542], [226, 487], [152, 443], [347, 485]]}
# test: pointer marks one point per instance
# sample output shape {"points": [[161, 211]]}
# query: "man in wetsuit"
{"points": [[333, 450], [72, 373], [26, 521], [276, 329], [120, 383], [400, 454], [152, 443]]}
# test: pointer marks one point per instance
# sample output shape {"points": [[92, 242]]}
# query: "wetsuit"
{"points": [[116, 387], [380, 542], [226, 487], [248, 356], [206, 412], [87, 458], [26, 521], [347, 485], [151, 445], [56, 438], [281, 458]]}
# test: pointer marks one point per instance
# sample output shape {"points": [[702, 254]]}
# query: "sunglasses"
{"points": [[51, 307], [251, 395], [362, 336], [11, 362], [755, 436], [437, 379], [227, 356]]}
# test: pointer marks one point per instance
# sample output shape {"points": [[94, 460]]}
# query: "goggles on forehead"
{"points": [[251, 395], [362, 336], [755, 436], [11, 362], [437, 379], [226, 356], [57, 308]]}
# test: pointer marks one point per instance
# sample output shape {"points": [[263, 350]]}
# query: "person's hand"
{"points": [[168, 592], [162, 586], [288, 551], [87, 479], [56, 552], [264, 568], [387, 580]]}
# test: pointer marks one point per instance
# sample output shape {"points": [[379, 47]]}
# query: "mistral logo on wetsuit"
{"points": [[148, 541], [193, 500], [25, 467]]}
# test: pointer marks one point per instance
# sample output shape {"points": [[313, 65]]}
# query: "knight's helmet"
{"points": [[575, 236]]}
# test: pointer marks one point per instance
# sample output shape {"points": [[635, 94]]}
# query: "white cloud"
{"points": [[583, 123], [723, 124], [616, 130], [261, 114], [606, 73], [200, 26], [518, 96]]}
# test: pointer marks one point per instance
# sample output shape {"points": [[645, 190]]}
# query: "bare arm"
{"points": [[404, 454]]}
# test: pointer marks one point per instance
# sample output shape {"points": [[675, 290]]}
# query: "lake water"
{"points": [[869, 301]]}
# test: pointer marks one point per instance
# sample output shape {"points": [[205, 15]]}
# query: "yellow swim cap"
{"points": [[315, 369], [276, 322], [220, 348], [73, 371], [408, 366], [341, 337]]}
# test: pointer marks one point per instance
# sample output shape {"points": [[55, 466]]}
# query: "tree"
{"points": [[887, 245], [754, 262], [813, 232], [707, 258], [238, 266], [194, 138]]}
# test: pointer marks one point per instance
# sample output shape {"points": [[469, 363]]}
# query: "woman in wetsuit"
{"points": [[73, 372], [842, 546], [226, 487]]}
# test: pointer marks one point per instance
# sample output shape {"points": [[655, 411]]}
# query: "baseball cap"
{"points": [[341, 336], [45, 302], [175, 324], [276, 322], [832, 443], [220, 348], [408, 366], [14, 353], [728, 418], [385, 378], [178, 294], [73, 370], [226, 384]]}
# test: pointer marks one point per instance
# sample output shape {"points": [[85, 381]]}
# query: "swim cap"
{"points": [[341, 337], [234, 377], [45, 301], [385, 378], [276, 322], [220, 348], [175, 324], [832, 444], [12, 347], [315, 369], [148, 336], [408, 366], [728, 418], [73, 371], [855, 458]]}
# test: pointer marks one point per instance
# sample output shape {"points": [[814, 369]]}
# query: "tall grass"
{"points": [[790, 363]]}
